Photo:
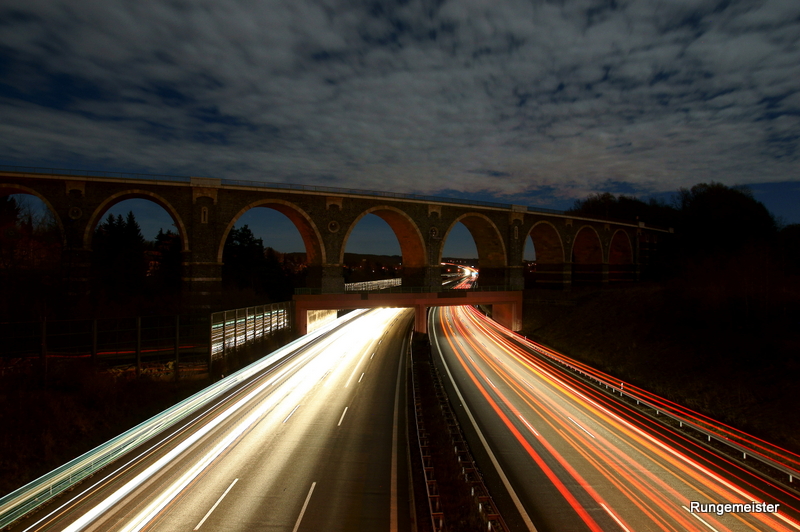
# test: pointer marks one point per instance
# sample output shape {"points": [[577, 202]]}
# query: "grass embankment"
{"points": [[78, 408], [741, 369], [47, 422]]}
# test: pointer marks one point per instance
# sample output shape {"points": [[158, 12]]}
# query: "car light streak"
{"points": [[705, 471], [302, 375], [646, 478]]}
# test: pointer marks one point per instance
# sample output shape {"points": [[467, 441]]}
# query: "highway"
{"points": [[313, 442], [560, 455]]}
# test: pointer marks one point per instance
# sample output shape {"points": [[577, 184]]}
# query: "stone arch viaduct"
{"points": [[568, 248]]}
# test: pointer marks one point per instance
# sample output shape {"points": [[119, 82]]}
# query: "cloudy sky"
{"points": [[532, 102]]}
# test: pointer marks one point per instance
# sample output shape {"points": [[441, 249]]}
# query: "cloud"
{"points": [[509, 99]]}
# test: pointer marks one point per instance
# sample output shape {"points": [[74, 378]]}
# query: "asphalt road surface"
{"points": [[559, 455], [315, 442]]}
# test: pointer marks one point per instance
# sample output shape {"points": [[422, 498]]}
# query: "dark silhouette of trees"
{"points": [[256, 273], [714, 219], [789, 244], [626, 208], [30, 253], [119, 263], [166, 276]]}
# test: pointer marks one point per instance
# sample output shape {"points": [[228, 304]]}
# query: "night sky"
{"points": [[529, 102]]}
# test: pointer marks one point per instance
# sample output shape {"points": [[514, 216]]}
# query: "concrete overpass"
{"points": [[506, 305], [568, 248]]}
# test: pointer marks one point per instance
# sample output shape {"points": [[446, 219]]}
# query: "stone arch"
{"points": [[488, 241], [315, 251], [548, 243], [587, 248], [621, 250], [7, 189], [412, 244], [112, 200]]}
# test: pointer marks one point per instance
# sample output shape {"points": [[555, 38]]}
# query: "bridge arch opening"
{"points": [[544, 257], [587, 256], [137, 254], [269, 247], [33, 205], [309, 233], [380, 222], [31, 246], [489, 244], [620, 257], [149, 214]]}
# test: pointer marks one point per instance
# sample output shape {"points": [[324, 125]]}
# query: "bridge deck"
{"points": [[506, 305]]}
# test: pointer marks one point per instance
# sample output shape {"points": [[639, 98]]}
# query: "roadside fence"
{"points": [[178, 339], [242, 327]]}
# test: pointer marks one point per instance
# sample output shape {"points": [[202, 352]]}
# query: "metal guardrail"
{"points": [[431, 486], [37, 492], [367, 286], [238, 328], [469, 469], [660, 410]]}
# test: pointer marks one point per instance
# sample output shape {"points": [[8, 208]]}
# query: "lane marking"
{"points": [[373, 354], [528, 425], [290, 414], [305, 505], [699, 519], [341, 418], [355, 370], [625, 528], [580, 427], [491, 383], [394, 524], [203, 520], [361, 377]]}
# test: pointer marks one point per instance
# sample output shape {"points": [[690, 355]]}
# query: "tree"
{"points": [[715, 218], [118, 258], [167, 248], [30, 256], [626, 208], [243, 257], [251, 268]]}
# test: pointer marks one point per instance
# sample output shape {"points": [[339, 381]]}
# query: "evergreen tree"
{"points": [[119, 262]]}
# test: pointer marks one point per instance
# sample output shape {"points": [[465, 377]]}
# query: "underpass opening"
{"points": [[384, 243], [270, 248], [620, 258], [489, 246], [587, 256], [548, 264], [31, 247]]}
